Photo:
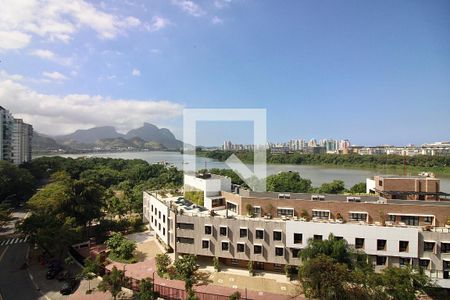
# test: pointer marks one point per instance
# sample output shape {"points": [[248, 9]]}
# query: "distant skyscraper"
{"points": [[312, 143], [22, 135], [344, 145], [330, 145], [227, 145], [6, 124], [15, 138]]}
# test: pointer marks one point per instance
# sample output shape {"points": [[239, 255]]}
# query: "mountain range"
{"points": [[107, 138]]}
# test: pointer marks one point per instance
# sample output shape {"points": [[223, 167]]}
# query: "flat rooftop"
{"points": [[339, 198], [406, 177]]}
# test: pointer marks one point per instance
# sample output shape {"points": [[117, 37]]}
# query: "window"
{"points": [[257, 249], [403, 246], [317, 237], [321, 214], [164, 231], [380, 182], [410, 220], [381, 245], [240, 247], [358, 217], [188, 226], [445, 247], [381, 260], [159, 215], [217, 202], [243, 232], [428, 220], [235, 262], [223, 230], [277, 235], [424, 263], [295, 253], [403, 261], [337, 238], [159, 226], [260, 234], [164, 219], [151, 209], [225, 246], [359, 243], [205, 244], [257, 210], [231, 206], [279, 251], [185, 240], [428, 246], [151, 219], [298, 238], [287, 212], [392, 218], [208, 229]]}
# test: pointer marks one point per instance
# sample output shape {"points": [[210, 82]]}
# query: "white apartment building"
{"points": [[6, 124], [21, 139]]}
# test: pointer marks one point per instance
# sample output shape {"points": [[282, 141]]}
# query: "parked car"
{"points": [[53, 271], [68, 287]]}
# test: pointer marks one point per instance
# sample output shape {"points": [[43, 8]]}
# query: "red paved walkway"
{"points": [[148, 269]]}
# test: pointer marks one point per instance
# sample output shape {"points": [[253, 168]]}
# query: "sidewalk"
{"points": [[257, 287]]}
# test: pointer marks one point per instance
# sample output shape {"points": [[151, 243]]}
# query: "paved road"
{"points": [[14, 280]]}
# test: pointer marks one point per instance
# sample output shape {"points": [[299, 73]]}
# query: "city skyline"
{"points": [[373, 72]]}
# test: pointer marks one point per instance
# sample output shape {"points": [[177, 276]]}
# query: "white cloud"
{"points": [[189, 7], [49, 55], [157, 24], [46, 54], [55, 20], [136, 72], [13, 39], [54, 75], [221, 3], [55, 114], [216, 20]]}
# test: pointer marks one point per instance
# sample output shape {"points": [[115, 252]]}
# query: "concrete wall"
{"points": [[376, 211], [157, 213], [350, 232], [233, 225]]}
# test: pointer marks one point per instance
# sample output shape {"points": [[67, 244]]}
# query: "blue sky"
{"points": [[375, 72]]}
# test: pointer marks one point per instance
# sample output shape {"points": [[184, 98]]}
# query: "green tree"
{"points": [[288, 182], [162, 263], [359, 188], [185, 267], [5, 215], [90, 269], [112, 282], [121, 247], [323, 278], [404, 283], [235, 296], [216, 264], [146, 290], [251, 268], [15, 183], [334, 187]]}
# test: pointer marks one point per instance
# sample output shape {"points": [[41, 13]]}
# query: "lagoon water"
{"points": [[317, 174]]}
